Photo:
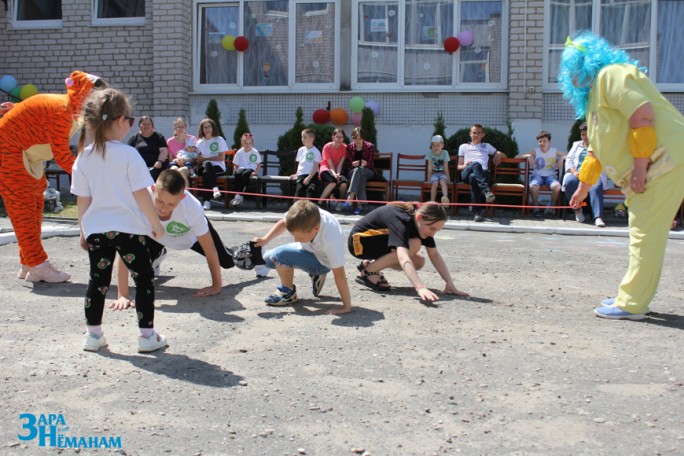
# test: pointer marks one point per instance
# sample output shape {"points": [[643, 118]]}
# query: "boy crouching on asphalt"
{"points": [[318, 248]]}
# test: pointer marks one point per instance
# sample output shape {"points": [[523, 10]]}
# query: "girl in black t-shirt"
{"points": [[391, 237]]}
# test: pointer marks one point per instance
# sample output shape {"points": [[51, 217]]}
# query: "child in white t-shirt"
{"points": [[115, 214], [308, 162], [318, 248], [247, 161]]}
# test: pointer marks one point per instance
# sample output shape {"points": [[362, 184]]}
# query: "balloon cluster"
{"points": [[465, 38], [232, 43], [339, 116], [8, 84]]}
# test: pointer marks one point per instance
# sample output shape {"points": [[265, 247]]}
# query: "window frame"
{"points": [[292, 85], [115, 21], [32, 25], [652, 64], [402, 47]]}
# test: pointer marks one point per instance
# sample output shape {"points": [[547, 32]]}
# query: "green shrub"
{"points": [[574, 133], [440, 129], [214, 114], [370, 133], [240, 128]]}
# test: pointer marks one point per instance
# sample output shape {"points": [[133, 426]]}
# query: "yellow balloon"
{"points": [[27, 91], [228, 42]]}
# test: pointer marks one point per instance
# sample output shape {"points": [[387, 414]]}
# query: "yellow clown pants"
{"points": [[650, 217]]}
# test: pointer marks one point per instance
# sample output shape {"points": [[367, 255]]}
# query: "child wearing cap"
{"points": [[438, 168]]}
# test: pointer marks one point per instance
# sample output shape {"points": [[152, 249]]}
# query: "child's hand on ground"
{"points": [[339, 311], [427, 295], [451, 289], [207, 291], [122, 303]]}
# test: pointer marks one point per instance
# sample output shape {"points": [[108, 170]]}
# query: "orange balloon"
{"points": [[339, 116]]}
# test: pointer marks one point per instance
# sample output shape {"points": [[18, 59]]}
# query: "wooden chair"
{"points": [[510, 179], [222, 182], [275, 173], [413, 164], [383, 164]]}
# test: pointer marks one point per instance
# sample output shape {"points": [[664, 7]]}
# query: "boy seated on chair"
{"points": [[473, 161], [319, 247], [544, 164]]}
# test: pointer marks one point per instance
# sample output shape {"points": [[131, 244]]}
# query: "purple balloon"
{"points": [[466, 38], [374, 106]]}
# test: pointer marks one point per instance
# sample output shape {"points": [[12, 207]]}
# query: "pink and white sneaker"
{"points": [[22, 272], [46, 272]]}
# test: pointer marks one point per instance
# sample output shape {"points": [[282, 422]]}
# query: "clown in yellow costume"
{"points": [[637, 137], [31, 132]]}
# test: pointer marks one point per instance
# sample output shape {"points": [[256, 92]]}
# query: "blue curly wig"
{"points": [[582, 59]]}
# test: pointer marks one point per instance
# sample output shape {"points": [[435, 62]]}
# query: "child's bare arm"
{"points": [[144, 200], [209, 248], [343, 288]]}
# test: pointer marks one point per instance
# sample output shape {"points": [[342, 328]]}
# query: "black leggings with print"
{"points": [[132, 248]]}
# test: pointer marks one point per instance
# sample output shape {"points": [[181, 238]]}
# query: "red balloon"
{"points": [[321, 116], [241, 43], [451, 44]]}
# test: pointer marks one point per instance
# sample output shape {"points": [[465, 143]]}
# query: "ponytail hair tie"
{"points": [[104, 116]]}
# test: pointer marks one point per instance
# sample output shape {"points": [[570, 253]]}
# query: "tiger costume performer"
{"points": [[31, 132]]}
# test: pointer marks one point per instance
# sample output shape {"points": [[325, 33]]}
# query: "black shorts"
{"points": [[328, 178], [369, 245]]}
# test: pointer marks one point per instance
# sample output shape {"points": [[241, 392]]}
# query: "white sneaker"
{"points": [[152, 343], [217, 192], [237, 200], [445, 200], [45, 272], [22, 272], [207, 205], [579, 215], [490, 197], [156, 264], [93, 343], [599, 222], [261, 271]]}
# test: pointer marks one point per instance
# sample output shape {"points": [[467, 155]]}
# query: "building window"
{"points": [[400, 44], [291, 45], [626, 24], [37, 13], [119, 12]]}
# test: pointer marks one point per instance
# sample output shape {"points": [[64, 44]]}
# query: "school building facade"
{"points": [[173, 56]]}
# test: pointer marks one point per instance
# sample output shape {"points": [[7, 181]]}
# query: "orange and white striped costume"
{"points": [[35, 130]]}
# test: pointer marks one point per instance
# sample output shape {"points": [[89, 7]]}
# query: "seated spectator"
{"points": [[473, 161], [247, 161], [438, 168], [212, 152], [308, 161], [391, 237], [544, 164], [334, 156], [361, 159], [573, 163], [151, 145], [182, 141]]}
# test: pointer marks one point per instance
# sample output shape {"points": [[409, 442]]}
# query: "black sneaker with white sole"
{"points": [[282, 297], [317, 282]]}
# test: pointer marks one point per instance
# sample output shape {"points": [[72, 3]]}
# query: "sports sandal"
{"points": [[364, 279]]}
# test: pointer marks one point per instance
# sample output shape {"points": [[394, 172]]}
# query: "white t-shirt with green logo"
{"points": [[187, 222], [247, 160], [306, 159], [212, 147]]}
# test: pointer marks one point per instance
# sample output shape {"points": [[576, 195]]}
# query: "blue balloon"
{"points": [[7, 83]]}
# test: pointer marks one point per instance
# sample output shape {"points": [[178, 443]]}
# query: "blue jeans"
{"points": [[478, 179], [293, 256], [595, 194]]}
